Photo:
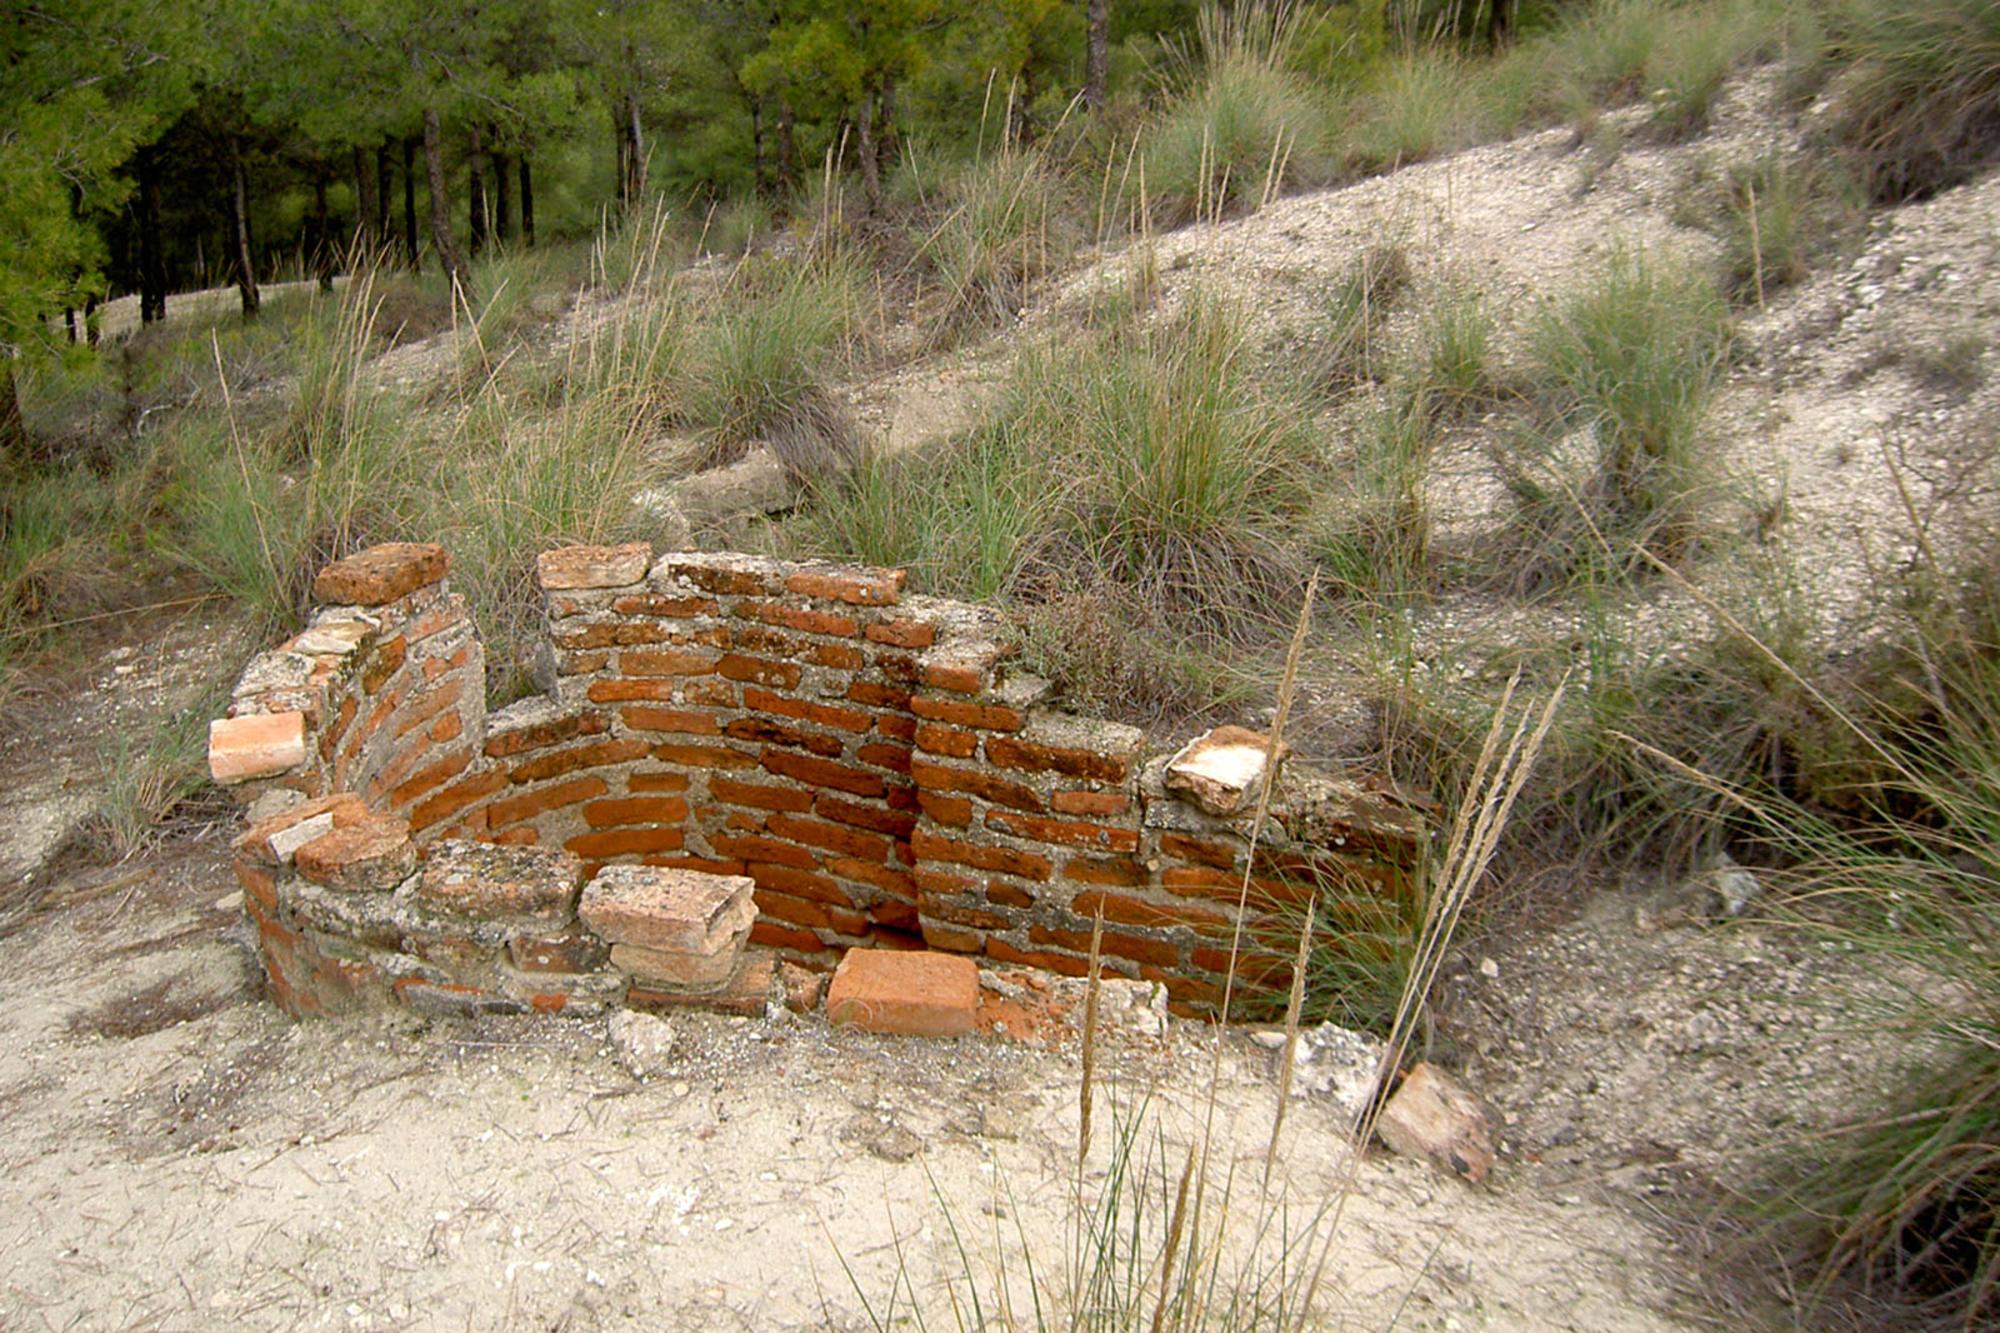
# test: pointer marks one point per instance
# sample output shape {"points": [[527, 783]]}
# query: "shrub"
{"points": [[1777, 216], [1374, 544]]}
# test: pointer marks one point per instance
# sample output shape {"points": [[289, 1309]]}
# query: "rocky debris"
{"points": [[654, 907], [1223, 768], [1733, 887], [746, 993], [1335, 1063], [381, 574], [368, 856], [644, 1042], [802, 987], [880, 1137], [914, 994], [594, 566], [258, 746], [1432, 1116]]}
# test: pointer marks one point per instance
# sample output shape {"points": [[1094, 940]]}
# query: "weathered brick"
{"points": [[903, 633], [895, 758], [855, 586], [974, 782], [619, 750], [896, 914], [750, 847], [761, 731], [256, 746], [805, 710], [274, 839], [593, 566], [677, 969], [877, 695], [446, 728], [514, 809], [960, 713], [441, 999], [760, 796], [671, 721], [818, 772], [1071, 833], [655, 604], [709, 691], [895, 823], [887, 878], [432, 775], [1069, 966], [540, 735], [916, 994], [482, 881], [607, 634], [956, 939], [666, 783], [1117, 871], [836, 838], [381, 574], [651, 690], [798, 883], [669, 662], [1002, 894], [746, 992], [953, 810], [935, 738], [1139, 948], [1005, 860], [442, 805], [382, 662], [798, 618], [1200, 851], [572, 951], [777, 935], [837, 656], [1012, 752], [803, 912], [1090, 803]]}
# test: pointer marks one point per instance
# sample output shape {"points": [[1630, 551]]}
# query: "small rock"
{"points": [[1343, 1066], [1221, 769], [644, 1042], [1489, 969], [1434, 1117]]}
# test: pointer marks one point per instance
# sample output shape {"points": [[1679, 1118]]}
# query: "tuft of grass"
{"points": [[1005, 227], [1917, 105], [1625, 368], [1357, 308], [1420, 105], [1456, 344], [1777, 216], [1242, 123], [1373, 543]]}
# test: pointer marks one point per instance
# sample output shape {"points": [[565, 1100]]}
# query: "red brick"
{"points": [[760, 796], [801, 912], [259, 885], [1254, 967], [930, 880], [527, 835], [628, 691], [823, 773], [757, 670], [839, 656], [832, 837], [444, 804], [985, 717], [896, 727], [937, 935], [760, 731], [1012, 752], [960, 914], [877, 695], [1090, 803], [1120, 871], [635, 810], [1139, 912], [890, 880], [749, 847], [1139, 948], [772, 935], [381, 574], [1048, 962], [626, 842], [607, 635], [594, 755], [798, 883], [1005, 860], [484, 881], [895, 823], [1200, 851], [706, 865], [1008, 895], [572, 952], [703, 756], [798, 618], [955, 677], [856, 587], [669, 662], [953, 810], [514, 809], [903, 633], [725, 580], [255, 746], [915, 994], [432, 775], [582, 664], [445, 729], [543, 734], [1064, 831], [345, 808], [895, 758], [762, 639], [895, 914], [709, 692], [671, 721], [974, 782], [1204, 880], [653, 604], [935, 738], [746, 992], [656, 782], [804, 710]]}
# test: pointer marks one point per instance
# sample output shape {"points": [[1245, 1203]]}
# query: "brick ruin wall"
{"points": [[865, 755]]}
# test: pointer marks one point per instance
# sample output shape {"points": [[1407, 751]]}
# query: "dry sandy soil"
{"points": [[176, 1154]]}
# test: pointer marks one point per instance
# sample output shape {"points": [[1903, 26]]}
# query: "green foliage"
{"points": [[1357, 307], [1417, 106], [1918, 105], [1006, 226], [1778, 216]]}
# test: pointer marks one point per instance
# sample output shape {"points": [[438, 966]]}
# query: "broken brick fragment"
{"points": [[381, 574], [918, 994]]}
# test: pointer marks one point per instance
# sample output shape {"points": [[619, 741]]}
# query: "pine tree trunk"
{"points": [[152, 258], [475, 193], [323, 263], [788, 148], [503, 197], [385, 173], [441, 237], [871, 170], [92, 331], [13, 430], [527, 203], [69, 323], [624, 137], [410, 204], [637, 139], [757, 181], [367, 203], [246, 272], [1097, 55]]}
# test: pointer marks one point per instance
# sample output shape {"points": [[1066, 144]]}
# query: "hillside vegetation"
{"points": [[1518, 330]]}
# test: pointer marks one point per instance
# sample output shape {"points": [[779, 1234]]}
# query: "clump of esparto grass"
{"points": [[1004, 228], [1954, 363], [760, 353], [1373, 541], [1456, 346], [1777, 215], [1242, 123], [1917, 105], [1352, 350], [1625, 368], [1419, 105]]}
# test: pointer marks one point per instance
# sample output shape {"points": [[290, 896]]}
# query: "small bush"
{"points": [[1777, 216], [1456, 343], [1625, 369]]}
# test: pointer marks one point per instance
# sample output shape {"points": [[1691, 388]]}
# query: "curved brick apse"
{"points": [[862, 758]]}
